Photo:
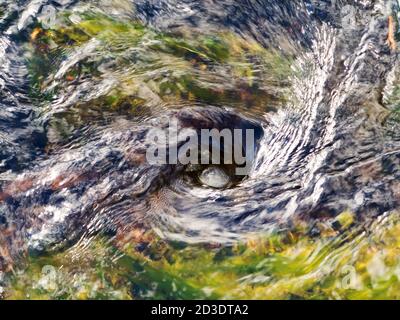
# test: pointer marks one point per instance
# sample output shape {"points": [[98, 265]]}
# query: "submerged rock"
{"points": [[215, 178]]}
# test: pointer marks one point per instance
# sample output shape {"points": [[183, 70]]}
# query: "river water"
{"points": [[82, 82]]}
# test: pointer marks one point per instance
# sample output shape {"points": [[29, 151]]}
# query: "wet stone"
{"points": [[215, 178]]}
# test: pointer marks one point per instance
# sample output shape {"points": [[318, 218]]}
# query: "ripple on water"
{"points": [[78, 96]]}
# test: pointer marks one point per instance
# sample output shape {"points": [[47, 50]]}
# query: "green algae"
{"points": [[218, 68], [136, 69], [343, 263]]}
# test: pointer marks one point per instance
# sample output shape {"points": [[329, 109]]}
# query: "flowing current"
{"points": [[316, 79]]}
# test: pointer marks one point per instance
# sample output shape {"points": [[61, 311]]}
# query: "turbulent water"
{"points": [[318, 88]]}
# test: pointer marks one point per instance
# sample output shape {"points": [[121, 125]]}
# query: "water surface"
{"points": [[81, 84]]}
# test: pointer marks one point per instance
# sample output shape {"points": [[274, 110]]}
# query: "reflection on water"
{"points": [[83, 82]]}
